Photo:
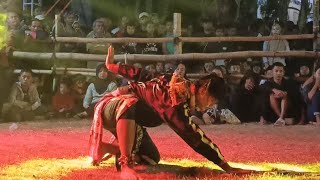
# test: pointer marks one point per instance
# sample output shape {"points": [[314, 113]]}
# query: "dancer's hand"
{"points": [[110, 56]]}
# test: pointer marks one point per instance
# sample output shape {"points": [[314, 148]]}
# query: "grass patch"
{"points": [[175, 168]]}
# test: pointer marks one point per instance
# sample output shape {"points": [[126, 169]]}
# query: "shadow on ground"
{"points": [[165, 171]]}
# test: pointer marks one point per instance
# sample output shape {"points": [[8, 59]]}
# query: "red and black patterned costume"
{"points": [[155, 95]]}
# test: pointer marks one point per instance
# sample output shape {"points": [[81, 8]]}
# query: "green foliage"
{"points": [[3, 30]]}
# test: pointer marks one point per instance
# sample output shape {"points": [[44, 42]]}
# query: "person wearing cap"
{"points": [[144, 18]]}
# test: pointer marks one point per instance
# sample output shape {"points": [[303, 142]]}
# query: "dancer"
{"points": [[148, 103]]}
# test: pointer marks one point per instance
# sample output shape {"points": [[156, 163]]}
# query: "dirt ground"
{"points": [[239, 143]]}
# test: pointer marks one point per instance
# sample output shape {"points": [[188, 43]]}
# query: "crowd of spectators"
{"points": [[271, 89]]}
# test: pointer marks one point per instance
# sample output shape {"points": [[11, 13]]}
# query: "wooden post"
{"points": [[315, 23], [177, 32], [56, 48], [315, 30]]}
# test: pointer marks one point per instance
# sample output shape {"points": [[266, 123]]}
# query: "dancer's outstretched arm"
{"points": [[127, 71]]}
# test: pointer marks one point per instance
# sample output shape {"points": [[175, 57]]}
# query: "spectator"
{"points": [[151, 68], [207, 31], [104, 83], [98, 31], [161, 30], [168, 48], [131, 47], [275, 45], [151, 48], [24, 101], [311, 94], [208, 67], [169, 67], [303, 74], [77, 28], [66, 29], [121, 29], [15, 34], [107, 22], [37, 40], [144, 19], [63, 102], [159, 68], [78, 91], [188, 31], [218, 71], [283, 100], [245, 103], [84, 8]]}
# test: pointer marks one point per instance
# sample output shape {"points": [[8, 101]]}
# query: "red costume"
{"points": [[158, 104]]}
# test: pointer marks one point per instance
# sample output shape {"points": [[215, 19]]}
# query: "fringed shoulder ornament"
{"points": [[181, 90]]}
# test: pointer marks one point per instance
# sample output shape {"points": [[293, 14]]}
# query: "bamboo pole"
{"points": [[183, 39], [75, 69], [87, 72], [55, 50], [177, 32], [164, 58], [69, 72], [112, 40], [246, 39], [316, 30], [37, 71]]}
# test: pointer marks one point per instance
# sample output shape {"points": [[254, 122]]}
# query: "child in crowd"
{"points": [[24, 101], [63, 102], [78, 91]]}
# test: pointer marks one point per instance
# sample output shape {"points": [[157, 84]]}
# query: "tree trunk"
{"points": [[283, 11], [304, 11]]}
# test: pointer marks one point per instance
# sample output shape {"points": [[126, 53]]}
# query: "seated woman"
{"points": [[102, 85], [311, 94]]}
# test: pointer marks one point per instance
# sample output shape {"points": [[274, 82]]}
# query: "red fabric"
{"points": [[65, 101], [96, 132], [113, 68]]}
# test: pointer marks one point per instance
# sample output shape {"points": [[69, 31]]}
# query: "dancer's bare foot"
{"points": [[128, 173]]}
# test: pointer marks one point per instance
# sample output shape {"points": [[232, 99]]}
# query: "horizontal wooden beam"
{"points": [[167, 58], [112, 40], [184, 39]]}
